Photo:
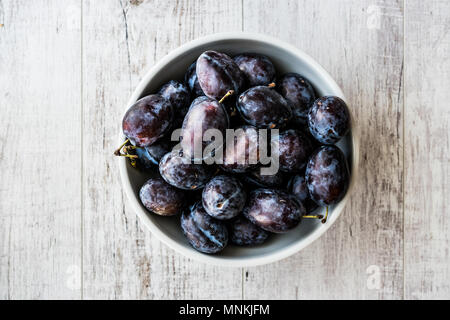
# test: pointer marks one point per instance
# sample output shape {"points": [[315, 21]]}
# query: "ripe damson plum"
{"points": [[179, 96], [255, 178], [150, 156], [329, 119], [192, 81], [147, 120], [327, 175], [294, 149], [299, 93], [244, 233], [217, 73], [230, 106], [258, 69], [298, 187], [161, 198], [144, 159], [204, 114], [273, 210], [241, 153], [156, 151], [263, 107], [180, 172], [223, 197], [203, 232]]}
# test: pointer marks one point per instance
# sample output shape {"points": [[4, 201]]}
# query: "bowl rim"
{"points": [[217, 260]]}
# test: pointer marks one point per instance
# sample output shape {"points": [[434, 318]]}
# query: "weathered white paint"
{"points": [[367, 63], [40, 143], [427, 175], [66, 72]]}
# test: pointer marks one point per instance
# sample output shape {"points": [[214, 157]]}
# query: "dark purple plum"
{"points": [[299, 93], [236, 120], [329, 119], [147, 120], [230, 106], [150, 156], [273, 210], [192, 81], [244, 233], [223, 197], [179, 96], [258, 69], [204, 114], [203, 232], [298, 187], [255, 178], [156, 151], [244, 155], [179, 172], [263, 107], [161, 198], [144, 159], [294, 149], [217, 73], [327, 175]]}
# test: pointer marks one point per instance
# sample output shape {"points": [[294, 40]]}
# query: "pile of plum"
{"points": [[233, 201]]}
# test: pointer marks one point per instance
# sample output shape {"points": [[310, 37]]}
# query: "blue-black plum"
{"points": [[204, 114], [217, 74], [299, 93], [204, 233], [241, 154], [329, 119], [223, 197], [327, 175], [263, 107], [273, 210], [294, 149], [182, 173], [244, 233], [144, 159], [161, 198], [147, 120], [156, 151], [298, 187], [255, 178], [258, 69], [179, 96], [192, 81]]}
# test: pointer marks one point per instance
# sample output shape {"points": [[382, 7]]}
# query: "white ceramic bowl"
{"points": [[286, 58]]}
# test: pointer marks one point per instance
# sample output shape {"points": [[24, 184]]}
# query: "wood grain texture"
{"points": [[121, 41], [361, 44], [40, 164], [67, 69], [427, 176]]}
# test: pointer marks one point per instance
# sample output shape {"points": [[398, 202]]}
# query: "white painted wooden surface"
{"points": [[427, 156], [67, 69]]}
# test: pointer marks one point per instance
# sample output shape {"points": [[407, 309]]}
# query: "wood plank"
{"points": [[121, 41], [40, 130], [427, 176], [361, 44]]}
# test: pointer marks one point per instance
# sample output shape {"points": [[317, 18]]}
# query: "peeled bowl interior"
{"points": [[286, 59]]}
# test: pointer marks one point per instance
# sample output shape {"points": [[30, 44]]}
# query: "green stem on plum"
{"points": [[126, 148], [117, 152], [229, 93], [318, 216], [324, 220]]}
